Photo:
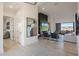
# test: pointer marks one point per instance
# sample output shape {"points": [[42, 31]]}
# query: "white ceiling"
{"points": [[51, 8], [12, 7], [48, 8]]}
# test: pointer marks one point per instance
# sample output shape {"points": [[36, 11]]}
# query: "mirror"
{"points": [[31, 29]]}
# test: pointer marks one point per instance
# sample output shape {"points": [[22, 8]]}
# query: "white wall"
{"points": [[19, 26], [1, 28], [27, 10], [32, 12]]}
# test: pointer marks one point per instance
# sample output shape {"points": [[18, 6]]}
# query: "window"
{"points": [[67, 27], [44, 26]]}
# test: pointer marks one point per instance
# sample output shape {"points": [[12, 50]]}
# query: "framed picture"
{"points": [[31, 27]]}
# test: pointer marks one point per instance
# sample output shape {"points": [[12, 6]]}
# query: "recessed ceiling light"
{"points": [[10, 6], [43, 8]]}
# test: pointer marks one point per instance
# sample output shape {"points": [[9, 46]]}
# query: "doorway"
{"points": [[8, 32]]}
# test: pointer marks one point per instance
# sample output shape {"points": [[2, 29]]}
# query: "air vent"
{"points": [[33, 3]]}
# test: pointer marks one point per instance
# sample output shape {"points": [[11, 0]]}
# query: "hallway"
{"points": [[43, 48]]}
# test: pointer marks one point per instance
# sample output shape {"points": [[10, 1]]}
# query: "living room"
{"points": [[60, 19], [53, 22], [57, 22]]}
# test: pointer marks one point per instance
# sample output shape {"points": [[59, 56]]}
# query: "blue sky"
{"points": [[66, 24], [44, 23]]}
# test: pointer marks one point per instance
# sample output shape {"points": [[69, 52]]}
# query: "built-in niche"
{"points": [[8, 25], [31, 27]]}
